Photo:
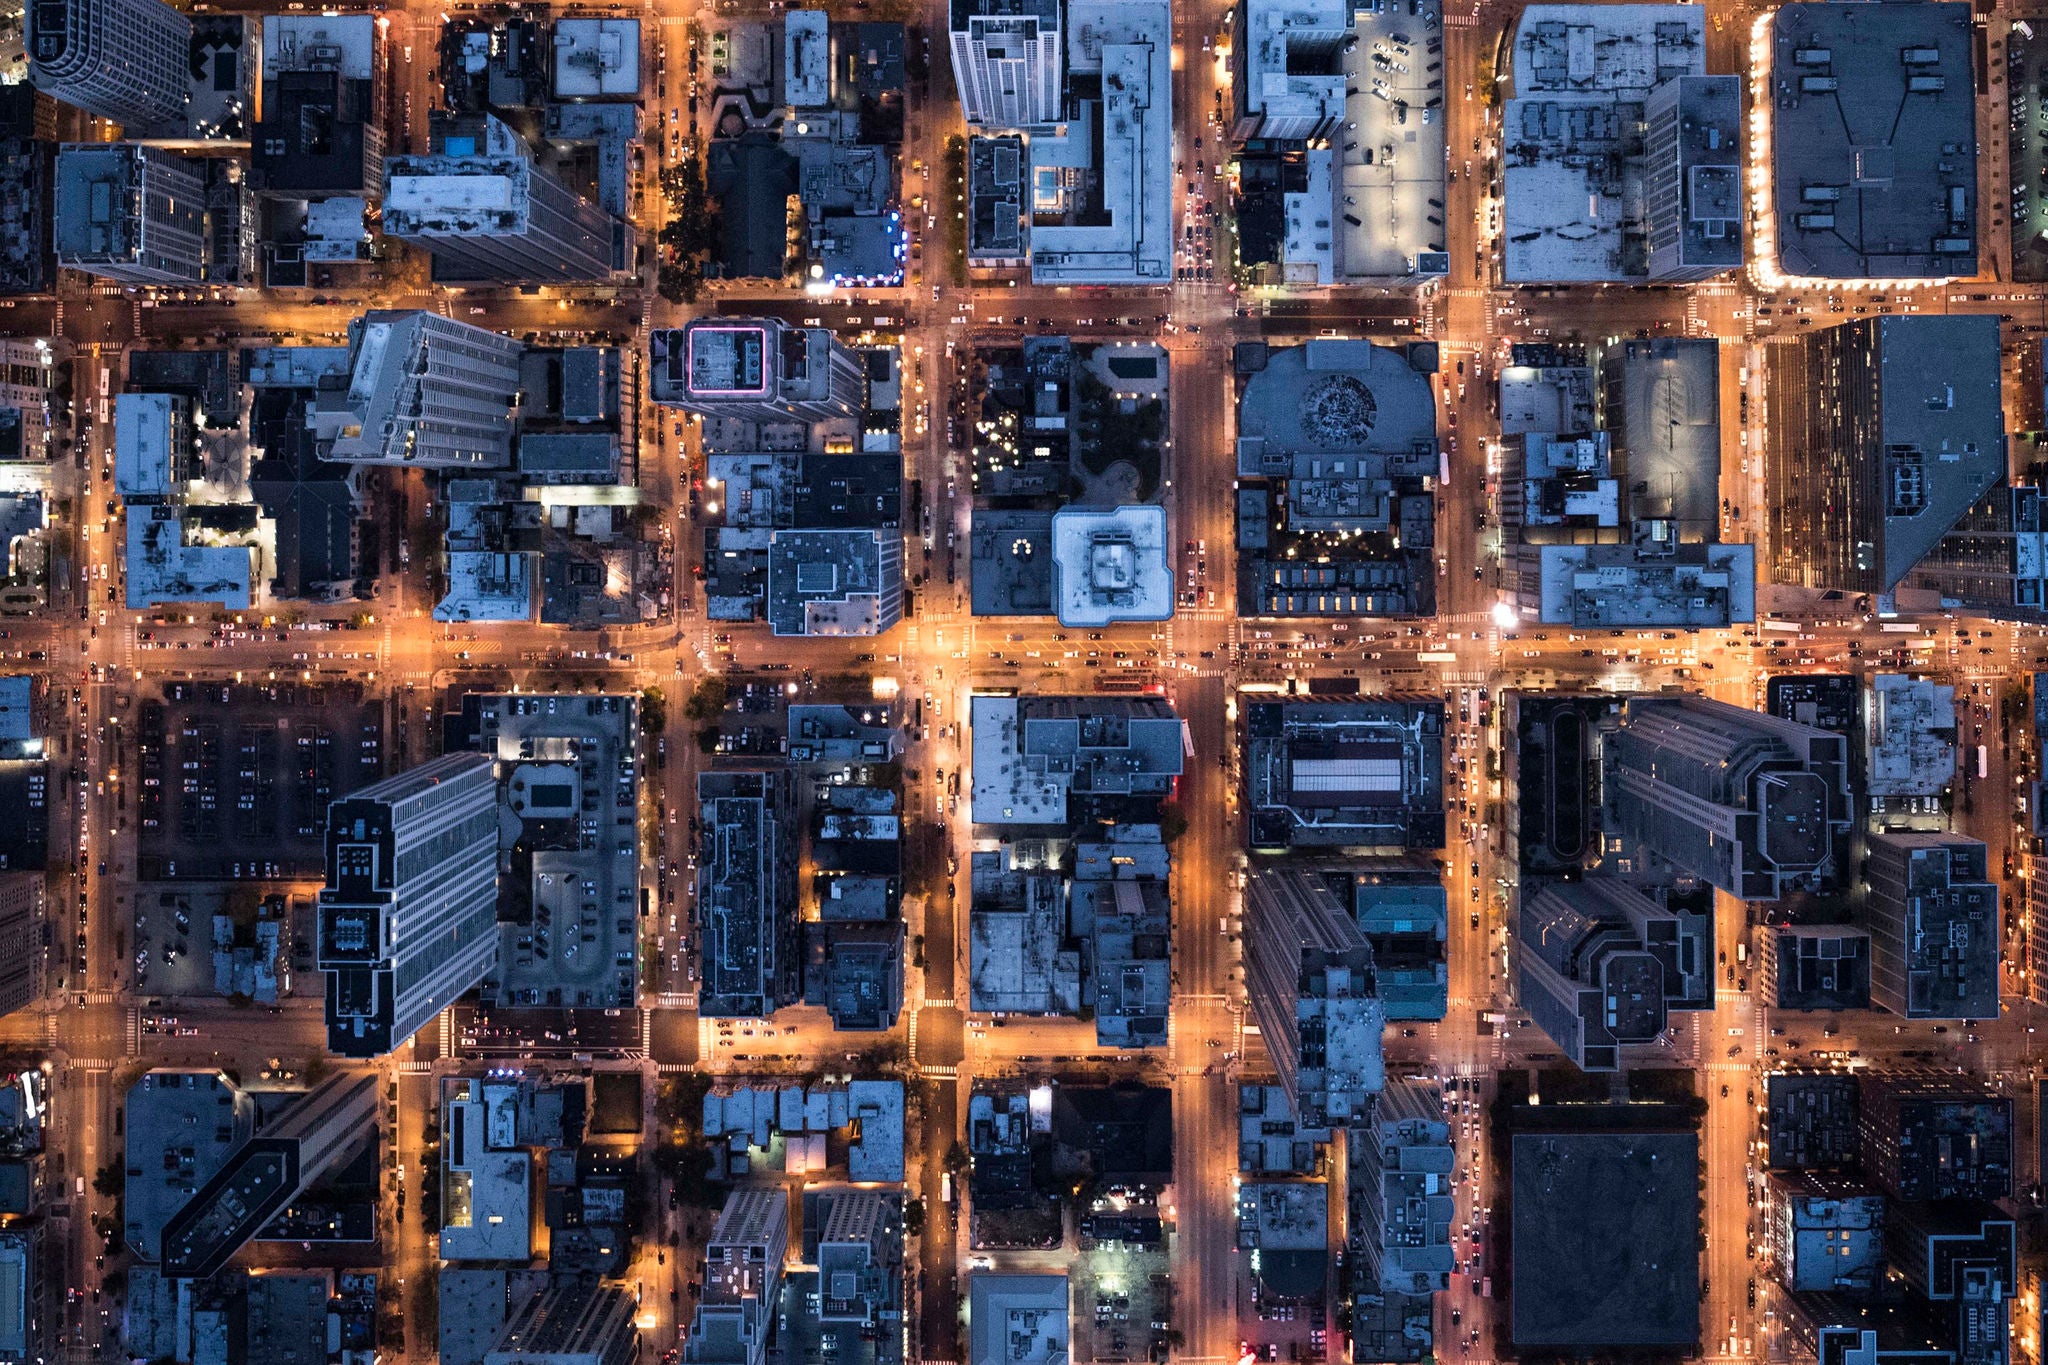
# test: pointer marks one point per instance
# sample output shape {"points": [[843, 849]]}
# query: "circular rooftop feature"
{"points": [[1338, 411]]}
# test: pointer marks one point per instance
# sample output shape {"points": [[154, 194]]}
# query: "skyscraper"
{"points": [[21, 939], [757, 369], [1754, 804], [421, 390], [1008, 61], [125, 60], [1309, 973], [742, 1278], [488, 211], [1602, 965], [1692, 174], [1883, 433], [408, 918], [130, 213], [1933, 919]]}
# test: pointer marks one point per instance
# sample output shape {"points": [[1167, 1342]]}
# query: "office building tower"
{"points": [[487, 210], [130, 213], [420, 389], [1400, 1190], [757, 369], [1009, 61], [1692, 177], [747, 893], [263, 1176], [1934, 1136], [855, 1239], [1754, 804], [1602, 965], [321, 130], [571, 1323], [124, 60], [21, 939], [1882, 434], [742, 1276], [1933, 918], [1309, 973], [30, 1320], [1994, 562], [408, 919]]}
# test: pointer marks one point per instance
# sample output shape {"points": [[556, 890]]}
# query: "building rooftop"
{"points": [[1910, 740], [1702, 233], [1111, 565], [1606, 48], [1874, 140], [1120, 229], [1405, 916], [1827, 1235], [834, 582], [1017, 1319], [1815, 966], [486, 1187], [1363, 773], [1812, 1119], [1287, 1223], [746, 900], [1019, 959], [567, 819], [164, 566], [1647, 583], [597, 58], [1011, 562], [1934, 926], [997, 228], [152, 446], [1606, 1240], [1033, 754], [181, 1127]]}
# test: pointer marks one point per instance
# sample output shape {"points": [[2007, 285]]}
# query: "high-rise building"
{"points": [[422, 390], [1692, 177], [572, 1323], [757, 369], [263, 1176], [747, 893], [487, 210], [21, 939], [1009, 61], [1754, 804], [408, 918], [125, 60], [1883, 433], [1994, 561], [742, 1274], [1309, 973], [1602, 965], [1934, 1136], [1933, 918], [30, 1322], [322, 129], [130, 213]]}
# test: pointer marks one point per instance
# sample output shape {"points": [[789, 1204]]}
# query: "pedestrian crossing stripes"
{"points": [[944, 1073]]}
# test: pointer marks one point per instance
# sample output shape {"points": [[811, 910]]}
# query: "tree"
{"points": [[653, 711], [913, 1217], [110, 1181], [707, 700], [1173, 821]]}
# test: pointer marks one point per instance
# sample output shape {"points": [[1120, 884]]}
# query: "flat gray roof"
{"points": [[1874, 137]]}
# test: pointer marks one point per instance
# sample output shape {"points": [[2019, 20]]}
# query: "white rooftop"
{"points": [[145, 432], [1129, 44], [597, 58], [806, 59], [1609, 48], [319, 42], [1110, 565]]}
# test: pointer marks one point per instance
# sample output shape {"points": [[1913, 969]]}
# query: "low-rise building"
{"points": [[1353, 773], [1858, 191]]}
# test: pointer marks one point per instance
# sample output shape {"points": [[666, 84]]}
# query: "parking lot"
{"points": [[1121, 1291], [233, 780]]}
